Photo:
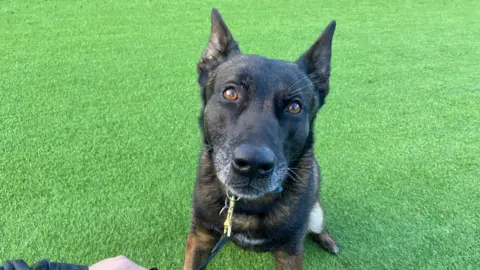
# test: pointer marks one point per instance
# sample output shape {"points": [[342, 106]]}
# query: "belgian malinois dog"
{"points": [[257, 122]]}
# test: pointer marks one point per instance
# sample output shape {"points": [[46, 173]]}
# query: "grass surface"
{"points": [[99, 137]]}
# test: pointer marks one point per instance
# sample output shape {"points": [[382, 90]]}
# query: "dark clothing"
{"points": [[40, 265], [44, 265]]}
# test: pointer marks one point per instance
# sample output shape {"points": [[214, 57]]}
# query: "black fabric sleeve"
{"points": [[15, 265], [41, 265]]}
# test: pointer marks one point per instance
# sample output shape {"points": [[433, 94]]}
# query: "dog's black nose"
{"points": [[253, 160]]}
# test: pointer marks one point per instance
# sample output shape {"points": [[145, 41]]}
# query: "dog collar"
{"points": [[278, 190]]}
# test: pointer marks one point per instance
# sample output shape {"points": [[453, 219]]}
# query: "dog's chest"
{"points": [[243, 239], [247, 241]]}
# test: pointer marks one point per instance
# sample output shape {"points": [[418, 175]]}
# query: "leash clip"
{"points": [[225, 207], [227, 225]]}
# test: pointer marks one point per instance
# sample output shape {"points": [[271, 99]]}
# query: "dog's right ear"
{"points": [[220, 46], [316, 61]]}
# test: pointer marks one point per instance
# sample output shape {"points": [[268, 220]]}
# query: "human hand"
{"points": [[116, 263]]}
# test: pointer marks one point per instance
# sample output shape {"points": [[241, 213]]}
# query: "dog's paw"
{"points": [[335, 249], [326, 241]]}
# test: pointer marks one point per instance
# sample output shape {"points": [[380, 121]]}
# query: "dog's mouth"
{"points": [[252, 188], [251, 192]]}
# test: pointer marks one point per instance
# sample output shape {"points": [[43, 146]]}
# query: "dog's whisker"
{"points": [[295, 174], [304, 77], [296, 91], [300, 90], [292, 177], [302, 182], [305, 171]]}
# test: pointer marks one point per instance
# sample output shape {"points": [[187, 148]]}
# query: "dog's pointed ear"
{"points": [[220, 46], [316, 60]]}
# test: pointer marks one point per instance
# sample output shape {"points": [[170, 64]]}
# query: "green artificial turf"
{"points": [[99, 136]]}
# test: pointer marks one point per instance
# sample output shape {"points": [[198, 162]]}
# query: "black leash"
{"points": [[223, 240]]}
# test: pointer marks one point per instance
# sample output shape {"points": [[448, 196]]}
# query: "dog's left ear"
{"points": [[316, 61], [220, 46]]}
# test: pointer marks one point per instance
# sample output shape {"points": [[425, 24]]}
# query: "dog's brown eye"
{"points": [[230, 94], [294, 108]]}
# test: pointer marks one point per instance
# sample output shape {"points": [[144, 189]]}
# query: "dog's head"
{"points": [[258, 113]]}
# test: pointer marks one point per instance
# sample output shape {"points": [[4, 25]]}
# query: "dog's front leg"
{"points": [[288, 261], [199, 245]]}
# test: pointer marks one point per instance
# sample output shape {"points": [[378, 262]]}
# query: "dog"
{"points": [[257, 121]]}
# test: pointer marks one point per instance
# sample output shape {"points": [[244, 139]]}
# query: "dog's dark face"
{"points": [[258, 113]]}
